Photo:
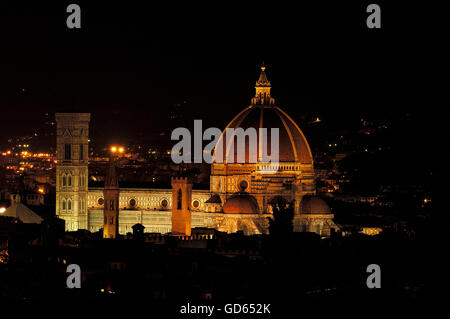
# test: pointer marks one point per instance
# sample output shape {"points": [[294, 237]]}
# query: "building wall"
{"points": [[154, 221], [147, 199], [72, 132], [290, 181]]}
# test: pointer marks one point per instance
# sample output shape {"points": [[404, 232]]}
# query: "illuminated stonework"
{"points": [[72, 133], [295, 175], [248, 188]]}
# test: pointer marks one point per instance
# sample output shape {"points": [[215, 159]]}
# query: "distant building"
{"points": [[34, 199], [21, 212]]}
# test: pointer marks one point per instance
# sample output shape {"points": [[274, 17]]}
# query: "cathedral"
{"points": [[240, 197]]}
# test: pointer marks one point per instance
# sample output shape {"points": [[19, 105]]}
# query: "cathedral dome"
{"points": [[314, 205], [262, 113], [241, 203]]}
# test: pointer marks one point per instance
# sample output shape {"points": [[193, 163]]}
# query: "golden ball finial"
{"points": [[263, 67]]}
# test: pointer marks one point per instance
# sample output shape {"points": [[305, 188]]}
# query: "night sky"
{"points": [[129, 63]]}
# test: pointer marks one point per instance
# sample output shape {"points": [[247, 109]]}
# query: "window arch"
{"points": [[69, 204], [64, 180], [69, 181], [179, 199], [63, 204], [196, 204]]}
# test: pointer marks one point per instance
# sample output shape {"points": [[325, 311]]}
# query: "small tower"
{"points": [[111, 196], [262, 94], [181, 206], [72, 142]]}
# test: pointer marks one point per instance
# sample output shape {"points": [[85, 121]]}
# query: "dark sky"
{"points": [[130, 62]]}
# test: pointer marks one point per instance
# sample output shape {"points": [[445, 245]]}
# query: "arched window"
{"points": [[69, 181], [69, 205], [64, 180], [81, 152], [63, 204], [67, 152], [179, 199]]}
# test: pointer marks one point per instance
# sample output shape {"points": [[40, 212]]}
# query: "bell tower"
{"points": [[72, 142], [111, 195], [181, 206]]}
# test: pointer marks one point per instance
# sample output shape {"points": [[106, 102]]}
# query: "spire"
{"points": [[263, 81], [111, 179], [262, 95]]}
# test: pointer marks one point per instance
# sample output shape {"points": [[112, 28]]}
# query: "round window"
{"points": [[164, 203], [243, 185], [100, 201], [196, 204], [132, 202]]}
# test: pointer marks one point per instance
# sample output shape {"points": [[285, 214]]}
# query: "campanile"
{"points": [[181, 206], [72, 142], [111, 195]]}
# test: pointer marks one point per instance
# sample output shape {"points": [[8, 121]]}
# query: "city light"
{"points": [[41, 190], [117, 149], [2, 210]]}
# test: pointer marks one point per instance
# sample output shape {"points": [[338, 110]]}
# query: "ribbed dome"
{"points": [[262, 113], [293, 146], [241, 203], [314, 205]]}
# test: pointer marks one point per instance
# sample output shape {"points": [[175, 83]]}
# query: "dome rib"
{"points": [[301, 133], [290, 137], [293, 146]]}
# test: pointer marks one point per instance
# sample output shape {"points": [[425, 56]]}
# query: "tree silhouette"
{"points": [[281, 226]]}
